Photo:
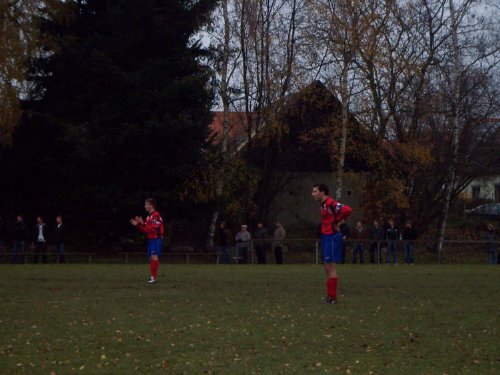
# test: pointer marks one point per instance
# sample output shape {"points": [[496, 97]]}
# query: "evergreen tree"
{"points": [[120, 111]]}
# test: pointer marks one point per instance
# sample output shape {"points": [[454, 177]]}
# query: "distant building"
{"points": [[290, 164], [485, 188], [238, 129]]}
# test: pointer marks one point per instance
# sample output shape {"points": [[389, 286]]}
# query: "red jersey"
{"points": [[332, 213], [153, 227]]}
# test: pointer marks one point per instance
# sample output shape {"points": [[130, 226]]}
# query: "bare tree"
{"points": [[460, 23], [339, 28]]}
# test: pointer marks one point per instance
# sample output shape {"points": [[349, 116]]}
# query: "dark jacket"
{"points": [[59, 233], [36, 232], [377, 234], [224, 236], [261, 234], [392, 234], [409, 234], [359, 235], [344, 229], [19, 231]]}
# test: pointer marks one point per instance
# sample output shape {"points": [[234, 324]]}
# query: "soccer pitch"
{"points": [[105, 319]]}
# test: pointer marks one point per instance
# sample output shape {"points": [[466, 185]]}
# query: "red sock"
{"points": [[331, 286], [154, 264]]}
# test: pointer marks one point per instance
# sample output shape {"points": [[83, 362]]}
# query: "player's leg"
{"points": [[331, 282], [154, 265], [332, 254], [154, 251]]}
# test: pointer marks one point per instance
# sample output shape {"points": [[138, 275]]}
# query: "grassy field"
{"points": [[207, 319]]}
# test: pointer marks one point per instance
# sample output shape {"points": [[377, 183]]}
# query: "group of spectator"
{"points": [[375, 237], [243, 240], [39, 236]]}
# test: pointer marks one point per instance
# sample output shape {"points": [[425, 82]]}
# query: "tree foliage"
{"points": [[120, 111]]}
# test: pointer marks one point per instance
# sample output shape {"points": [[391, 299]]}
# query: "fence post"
{"points": [[251, 251]]}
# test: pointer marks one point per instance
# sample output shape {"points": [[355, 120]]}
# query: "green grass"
{"points": [[104, 319]]}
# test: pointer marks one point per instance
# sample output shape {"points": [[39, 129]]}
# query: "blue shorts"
{"points": [[155, 246], [331, 247]]}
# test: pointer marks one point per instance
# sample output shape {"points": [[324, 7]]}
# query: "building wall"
{"points": [[484, 188], [295, 207]]}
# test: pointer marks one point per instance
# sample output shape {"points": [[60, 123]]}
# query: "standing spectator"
{"points": [[278, 236], [2, 234], [346, 234], [40, 240], [360, 235], [491, 248], [376, 235], [409, 235], [60, 238], [19, 239], [243, 238], [261, 236], [224, 238], [392, 236]]}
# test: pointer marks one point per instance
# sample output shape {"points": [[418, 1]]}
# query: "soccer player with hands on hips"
{"points": [[154, 229], [332, 213]]}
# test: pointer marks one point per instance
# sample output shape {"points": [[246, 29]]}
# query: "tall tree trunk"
{"points": [[344, 92], [224, 93], [246, 83], [455, 122]]}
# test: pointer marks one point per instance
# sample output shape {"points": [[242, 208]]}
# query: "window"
{"points": [[476, 190]]}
